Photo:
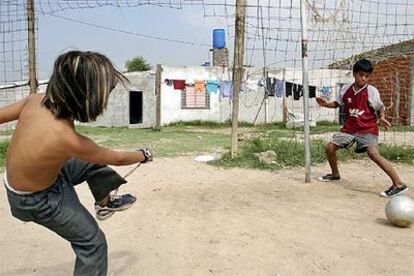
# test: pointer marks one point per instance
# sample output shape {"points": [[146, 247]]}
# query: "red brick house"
{"points": [[393, 76]]}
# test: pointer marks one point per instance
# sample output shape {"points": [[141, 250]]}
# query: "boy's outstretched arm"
{"points": [[324, 103], [86, 149], [12, 112], [384, 122]]}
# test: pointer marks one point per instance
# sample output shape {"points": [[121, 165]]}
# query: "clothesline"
{"points": [[273, 87]]}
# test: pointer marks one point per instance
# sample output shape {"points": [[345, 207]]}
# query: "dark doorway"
{"points": [[135, 107]]}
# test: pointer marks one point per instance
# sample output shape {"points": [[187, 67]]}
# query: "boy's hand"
{"points": [[385, 123], [321, 101], [147, 155]]}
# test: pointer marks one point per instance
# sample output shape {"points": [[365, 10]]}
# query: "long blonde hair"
{"points": [[80, 85]]}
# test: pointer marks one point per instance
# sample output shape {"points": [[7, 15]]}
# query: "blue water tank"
{"points": [[219, 39]]}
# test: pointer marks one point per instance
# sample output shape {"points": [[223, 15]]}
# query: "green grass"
{"points": [[397, 153], [327, 126], [291, 152], [6, 132], [168, 141], [3, 152], [403, 128], [206, 124], [198, 137]]}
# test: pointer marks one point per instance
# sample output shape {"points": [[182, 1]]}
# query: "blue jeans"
{"points": [[58, 208]]}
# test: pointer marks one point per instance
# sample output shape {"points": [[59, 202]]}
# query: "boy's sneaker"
{"points": [[394, 191], [329, 177], [116, 203]]}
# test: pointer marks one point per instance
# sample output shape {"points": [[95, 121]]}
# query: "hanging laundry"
{"points": [[168, 82], [289, 89], [199, 86], [261, 82], [270, 91], [279, 88], [300, 93], [251, 86], [226, 88], [312, 91], [212, 86], [179, 84], [325, 92], [189, 82], [243, 88], [297, 91]]}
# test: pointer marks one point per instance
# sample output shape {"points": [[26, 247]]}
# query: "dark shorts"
{"points": [[362, 141]]}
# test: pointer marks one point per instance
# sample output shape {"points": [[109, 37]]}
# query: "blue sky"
{"points": [[360, 26], [56, 35]]}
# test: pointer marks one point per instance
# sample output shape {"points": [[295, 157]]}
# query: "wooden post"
{"points": [[158, 72], [305, 81], [32, 46], [284, 103], [237, 71]]}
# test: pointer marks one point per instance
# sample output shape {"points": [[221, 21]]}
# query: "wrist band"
{"points": [[145, 156]]}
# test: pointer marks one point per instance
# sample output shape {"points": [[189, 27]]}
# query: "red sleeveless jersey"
{"points": [[360, 116]]}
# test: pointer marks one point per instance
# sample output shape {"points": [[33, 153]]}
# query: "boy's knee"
{"points": [[373, 153], [330, 148], [100, 242], [96, 245]]}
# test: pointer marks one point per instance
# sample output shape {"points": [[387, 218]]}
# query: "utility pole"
{"points": [[32, 46], [304, 31], [266, 99], [237, 71]]}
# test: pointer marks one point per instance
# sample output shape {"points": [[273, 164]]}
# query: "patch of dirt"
{"points": [[195, 219]]}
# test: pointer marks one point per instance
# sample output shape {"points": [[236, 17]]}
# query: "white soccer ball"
{"points": [[400, 211]]}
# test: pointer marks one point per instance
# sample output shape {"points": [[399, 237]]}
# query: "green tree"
{"points": [[138, 63]]}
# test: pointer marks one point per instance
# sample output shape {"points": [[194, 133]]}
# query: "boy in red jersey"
{"points": [[363, 108]]}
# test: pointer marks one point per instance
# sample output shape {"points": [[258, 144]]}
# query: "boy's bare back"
{"points": [[45, 135], [39, 145]]}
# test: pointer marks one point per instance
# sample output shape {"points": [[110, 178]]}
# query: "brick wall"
{"points": [[389, 77]]}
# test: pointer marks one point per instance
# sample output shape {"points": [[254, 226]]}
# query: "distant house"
{"points": [[393, 76]]}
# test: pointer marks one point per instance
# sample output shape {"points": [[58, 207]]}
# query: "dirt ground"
{"points": [[195, 219]]}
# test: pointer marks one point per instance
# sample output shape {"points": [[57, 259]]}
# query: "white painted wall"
{"points": [[251, 108], [12, 95], [117, 112], [171, 99]]}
